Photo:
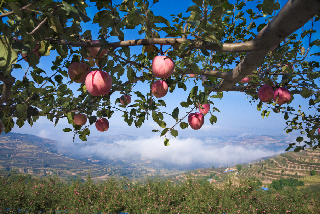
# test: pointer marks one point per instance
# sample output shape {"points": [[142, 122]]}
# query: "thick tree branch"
{"points": [[290, 18], [227, 47]]}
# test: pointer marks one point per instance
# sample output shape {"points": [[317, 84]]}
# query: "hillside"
{"points": [[287, 165], [39, 157]]}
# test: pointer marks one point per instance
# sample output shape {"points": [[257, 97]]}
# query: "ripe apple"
{"points": [[78, 72], [196, 120], [94, 51], [318, 131], [283, 95], [246, 80], [265, 93], [125, 99], [204, 108], [102, 124], [36, 51], [80, 119], [159, 88], [192, 75], [98, 83], [162, 67]]}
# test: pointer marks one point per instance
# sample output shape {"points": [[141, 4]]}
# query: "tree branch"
{"points": [[22, 8], [290, 18], [227, 47]]}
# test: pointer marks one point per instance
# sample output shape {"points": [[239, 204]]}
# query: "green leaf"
{"points": [[15, 8], [20, 122], [183, 125], [162, 103], [22, 111], [75, 11], [184, 104], [130, 73], [155, 116], [286, 116], [164, 131], [7, 56], [305, 93], [193, 93], [213, 119], [195, 23], [204, 51], [166, 142], [161, 123], [174, 132], [299, 139], [67, 130], [70, 116], [155, 130], [175, 113]]}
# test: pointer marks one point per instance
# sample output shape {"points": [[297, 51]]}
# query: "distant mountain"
{"points": [[39, 156]]}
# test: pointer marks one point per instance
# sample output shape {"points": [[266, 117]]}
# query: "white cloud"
{"points": [[180, 151]]}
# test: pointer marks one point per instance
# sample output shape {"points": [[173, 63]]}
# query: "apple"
{"points": [[78, 72], [204, 108], [159, 88], [283, 95], [246, 80], [94, 51], [98, 83], [36, 51], [80, 119], [318, 131], [125, 99], [192, 75], [102, 124], [196, 120], [162, 67], [265, 93]]}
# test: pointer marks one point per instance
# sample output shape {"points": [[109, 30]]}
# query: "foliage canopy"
{"points": [[220, 41]]}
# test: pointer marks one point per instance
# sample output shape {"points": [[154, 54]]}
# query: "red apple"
{"points": [[318, 131], [162, 67], [94, 51], [265, 93], [246, 80], [196, 120], [192, 75], [159, 88], [98, 83], [125, 99], [283, 95], [36, 51], [102, 124], [204, 108], [80, 119], [78, 72]]}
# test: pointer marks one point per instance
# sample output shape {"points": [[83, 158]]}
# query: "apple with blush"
{"points": [[204, 108], [162, 67], [80, 119], [102, 125], [265, 93], [98, 83], [196, 120], [125, 99], [283, 95], [159, 88], [78, 72]]}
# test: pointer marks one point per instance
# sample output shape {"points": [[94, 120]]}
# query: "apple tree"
{"points": [[243, 46]]}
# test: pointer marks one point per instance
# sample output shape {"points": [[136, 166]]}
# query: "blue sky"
{"points": [[237, 116]]}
